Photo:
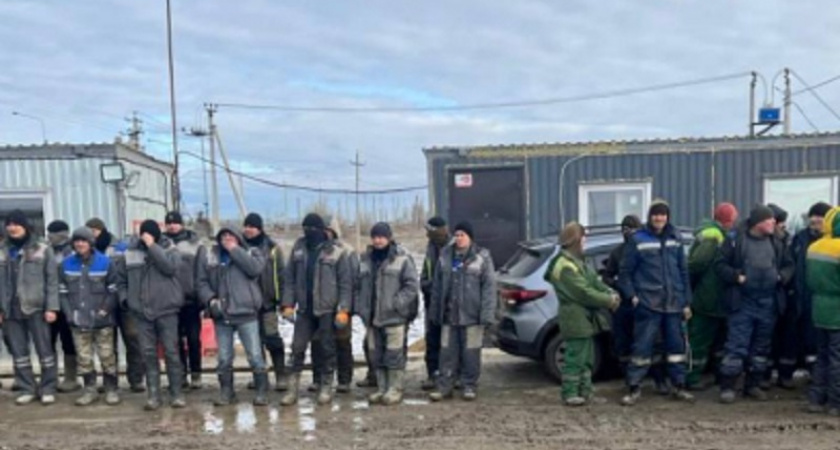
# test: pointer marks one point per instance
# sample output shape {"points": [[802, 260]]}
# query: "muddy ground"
{"points": [[518, 408]]}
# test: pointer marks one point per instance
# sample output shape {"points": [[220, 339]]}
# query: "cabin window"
{"points": [[796, 195], [607, 204]]}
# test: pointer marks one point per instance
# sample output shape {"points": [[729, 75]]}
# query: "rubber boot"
{"points": [[278, 360], [261, 383], [112, 397], [325, 394], [291, 396], [71, 375], [195, 382], [226, 394], [91, 394], [152, 390], [176, 377], [394, 395], [382, 387]]}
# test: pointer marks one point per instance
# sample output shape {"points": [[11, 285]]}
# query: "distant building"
{"points": [[75, 182], [512, 192]]}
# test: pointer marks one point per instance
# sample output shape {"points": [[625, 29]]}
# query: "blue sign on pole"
{"points": [[769, 115]]}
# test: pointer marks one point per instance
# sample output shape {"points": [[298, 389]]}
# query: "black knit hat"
{"points": [[381, 229], [819, 209], [778, 213], [466, 227], [759, 214], [18, 217], [631, 221], [151, 227], [313, 220], [58, 226], [253, 220], [435, 222], [174, 217]]}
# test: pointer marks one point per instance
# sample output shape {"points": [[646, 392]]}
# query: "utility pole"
{"points": [[135, 131], [358, 165], [787, 101], [237, 193], [176, 184], [751, 123], [214, 187]]}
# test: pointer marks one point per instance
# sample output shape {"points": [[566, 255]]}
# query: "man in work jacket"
{"points": [[581, 294], [189, 318], [654, 275], [319, 284], [227, 279], [464, 305], [28, 305], [150, 289], [58, 235], [387, 303], [823, 269], [88, 292], [438, 236], [753, 264], [271, 285], [707, 326]]}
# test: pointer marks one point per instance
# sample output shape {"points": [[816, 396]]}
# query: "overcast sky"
{"points": [[85, 65]]}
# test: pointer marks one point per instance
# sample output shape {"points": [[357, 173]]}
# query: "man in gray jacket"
{"points": [[387, 303], [463, 304], [150, 288], [28, 305], [58, 236], [227, 278], [319, 283]]}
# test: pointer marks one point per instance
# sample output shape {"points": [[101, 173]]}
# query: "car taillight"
{"points": [[515, 297]]}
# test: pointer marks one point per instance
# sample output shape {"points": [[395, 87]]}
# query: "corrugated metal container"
{"points": [[67, 181], [691, 174]]}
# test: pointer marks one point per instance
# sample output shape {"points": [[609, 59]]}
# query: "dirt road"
{"points": [[518, 409]]}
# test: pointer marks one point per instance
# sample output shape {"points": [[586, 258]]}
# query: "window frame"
{"points": [[615, 186]]}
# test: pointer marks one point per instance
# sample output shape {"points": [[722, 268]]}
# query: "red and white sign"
{"points": [[463, 180]]}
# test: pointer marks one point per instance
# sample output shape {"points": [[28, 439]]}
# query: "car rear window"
{"points": [[525, 262]]}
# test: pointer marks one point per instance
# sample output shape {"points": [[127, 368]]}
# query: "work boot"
{"points": [[396, 384], [469, 394], [632, 397], [756, 393], [112, 397], [226, 394], [261, 382], [71, 375], [195, 382], [369, 381], [91, 394], [343, 388], [325, 394], [176, 396], [575, 401], [681, 394], [382, 387], [47, 399], [178, 402], [291, 396], [152, 392], [24, 399], [727, 396], [429, 384]]}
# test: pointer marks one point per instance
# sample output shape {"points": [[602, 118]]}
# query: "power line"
{"points": [[816, 95], [490, 105], [805, 116], [818, 85], [304, 188]]}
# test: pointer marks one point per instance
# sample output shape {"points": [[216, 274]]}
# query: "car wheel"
{"points": [[554, 357]]}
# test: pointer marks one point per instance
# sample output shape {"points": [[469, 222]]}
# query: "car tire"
{"points": [[553, 357]]}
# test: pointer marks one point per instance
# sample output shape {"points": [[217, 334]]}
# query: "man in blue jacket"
{"points": [[654, 275]]}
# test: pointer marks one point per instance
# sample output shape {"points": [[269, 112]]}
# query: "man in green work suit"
{"points": [[581, 294]]}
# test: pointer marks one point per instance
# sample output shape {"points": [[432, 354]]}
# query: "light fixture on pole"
{"points": [[40, 120]]}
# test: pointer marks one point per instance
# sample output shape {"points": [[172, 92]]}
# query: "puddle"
{"points": [[358, 424], [361, 405], [213, 424], [415, 402], [246, 420], [335, 408], [306, 421]]}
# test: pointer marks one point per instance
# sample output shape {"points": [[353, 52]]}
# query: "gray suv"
{"points": [[527, 312]]}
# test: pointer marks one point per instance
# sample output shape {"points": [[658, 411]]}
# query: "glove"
{"points": [[287, 312], [687, 314], [215, 309], [342, 319]]}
